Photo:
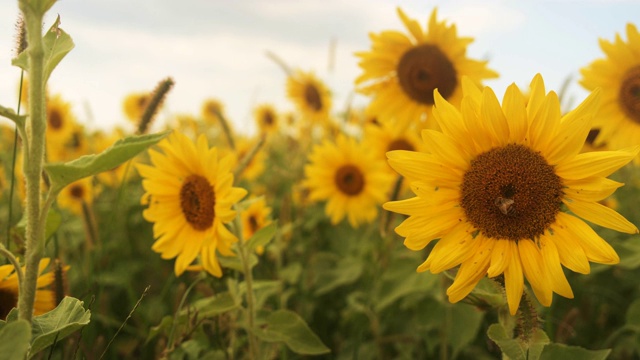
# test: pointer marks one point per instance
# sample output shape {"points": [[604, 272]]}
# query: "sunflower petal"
{"points": [[601, 215]]}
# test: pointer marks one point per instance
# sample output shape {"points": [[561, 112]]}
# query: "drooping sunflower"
{"points": [[255, 217], [310, 96], [618, 75], [211, 111], [349, 177], [266, 118], [491, 187], [9, 290], [189, 193], [134, 106], [401, 70]]}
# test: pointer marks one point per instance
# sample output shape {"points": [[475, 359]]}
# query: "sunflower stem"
{"points": [[16, 264], [226, 129], [34, 156], [246, 160]]}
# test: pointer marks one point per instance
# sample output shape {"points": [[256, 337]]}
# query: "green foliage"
{"points": [[561, 351], [63, 174], [286, 326], [14, 339], [262, 237], [518, 349]]}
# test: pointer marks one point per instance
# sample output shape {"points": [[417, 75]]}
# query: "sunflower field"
{"points": [[439, 221]]}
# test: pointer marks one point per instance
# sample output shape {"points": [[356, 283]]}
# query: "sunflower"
{"points": [[211, 111], [134, 106], [385, 137], [60, 121], [402, 70], [492, 185], [349, 177], [189, 193], [255, 167], [77, 195], [310, 95], [254, 218], [618, 75], [45, 299], [266, 118]]}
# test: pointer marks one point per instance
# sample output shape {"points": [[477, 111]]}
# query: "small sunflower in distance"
{"points": [[350, 178], [190, 194], [266, 118], [491, 187], [402, 70], [254, 218], [134, 106], [77, 195], [618, 75], [310, 95]]}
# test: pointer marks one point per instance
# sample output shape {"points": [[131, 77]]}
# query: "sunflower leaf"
{"points": [[560, 351], [286, 326], [63, 174], [262, 237], [509, 347], [57, 44], [68, 317], [14, 340]]}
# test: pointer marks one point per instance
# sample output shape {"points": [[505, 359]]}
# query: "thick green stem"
{"points": [[248, 279], [33, 162]]}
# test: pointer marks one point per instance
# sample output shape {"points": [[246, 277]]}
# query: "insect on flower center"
{"points": [[198, 200], [400, 144], [630, 94], [8, 300], [423, 69], [312, 97], [349, 180], [511, 192], [55, 119]]}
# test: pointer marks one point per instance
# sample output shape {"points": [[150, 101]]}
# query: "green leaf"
{"points": [[165, 324], [262, 237], [286, 326], [233, 262], [63, 174], [346, 271], [510, 347], [210, 306], [633, 314], [14, 340], [538, 342], [57, 44], [68, 317], [465, 323], [11, 115], [560, 351]]}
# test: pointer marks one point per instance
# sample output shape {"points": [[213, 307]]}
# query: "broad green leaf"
{"points": [[57, 44], [560, 351], [233, 262], [402, 280], [465, 323], [54, 219], [68, 317], [35, 6], [538, 341], [286, 326], [63, 174], [262, 237], [346, 272], [11, 115], [165, 324], [510, 347], [14, 340], [210, 306]]}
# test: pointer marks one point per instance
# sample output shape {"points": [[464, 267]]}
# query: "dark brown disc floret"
{"points": [[55, 120], [8, 300], [312, 97], [198, 200], [349, 180], [423, 69], [630, 94], [511, 192], [400, 144]]}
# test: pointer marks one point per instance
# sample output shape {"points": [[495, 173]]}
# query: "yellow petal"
{"points": [[596, 248], [535, 271], [601, 215], [514, 108], [513, 280], [559, 283], [598, 163]]}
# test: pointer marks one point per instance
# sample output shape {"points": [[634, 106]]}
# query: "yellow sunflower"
{"points": [[211, 110], [60, 121], [189, 193], [45, 299], [385, 137], [349, 177], [310, 95], [618, 75], [492, 185], [134, 106], [402, 70], [76, 195], [255, 167], [266, 118], [254, 218]]}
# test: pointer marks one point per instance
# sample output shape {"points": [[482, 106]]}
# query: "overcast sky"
{"points": [[217, 48]]}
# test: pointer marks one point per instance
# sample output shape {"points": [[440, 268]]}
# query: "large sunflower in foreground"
{"points": [[190, 193], [349, 177], [45, 299], [492, 185], [310, 95], [618, 75], [401, 70]]}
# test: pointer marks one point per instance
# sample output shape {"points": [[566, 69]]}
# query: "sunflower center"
{"points": [[77, 192], [253, 224], [349, 180], [198, 201], [400, 144], [312, 97], [55, 119], [268, 118], [8, 300], [511, 192], [423, 69], [630, 94]]}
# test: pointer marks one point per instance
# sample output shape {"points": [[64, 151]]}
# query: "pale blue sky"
{"points": [[217, 48]]}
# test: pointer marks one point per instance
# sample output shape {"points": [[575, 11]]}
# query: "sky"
{"points": [[217, 49]]}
